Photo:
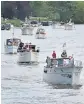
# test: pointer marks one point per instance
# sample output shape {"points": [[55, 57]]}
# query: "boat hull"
{"points": [[69, 27], [27, 57], [11, 49], [40, 36], [62, 75]]}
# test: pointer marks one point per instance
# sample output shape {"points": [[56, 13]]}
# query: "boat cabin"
{"points": [[32, 47], [34, 22], [25, 25], [40, 30], [13, 42], [60, 62], [27, 47]]}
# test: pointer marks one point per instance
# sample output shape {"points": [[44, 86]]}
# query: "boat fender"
{"points": [[38, 50]]}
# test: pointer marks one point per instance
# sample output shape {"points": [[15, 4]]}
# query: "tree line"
{"points": [[53, 10]]}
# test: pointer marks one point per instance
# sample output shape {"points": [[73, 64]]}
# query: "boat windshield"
{"points": [[13, 42]]}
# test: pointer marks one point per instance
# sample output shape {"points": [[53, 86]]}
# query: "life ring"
{"points": [[70, 57]]}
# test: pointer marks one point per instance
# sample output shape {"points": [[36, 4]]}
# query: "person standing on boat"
{"points": [[48, 61], [64, 54], [54, 54], [71, 60], [21, 45]]}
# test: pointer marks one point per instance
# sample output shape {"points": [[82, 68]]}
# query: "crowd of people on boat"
{"points": [[63, 55], [26, 47], [66, 60]]}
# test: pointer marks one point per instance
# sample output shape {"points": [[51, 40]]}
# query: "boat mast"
{"points": [[13, 32], [26, 20]]}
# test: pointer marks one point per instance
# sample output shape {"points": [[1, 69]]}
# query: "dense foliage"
{"points": [[54, 10]]}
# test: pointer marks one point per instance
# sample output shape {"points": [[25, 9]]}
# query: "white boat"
{"points": [[62, 71], [40, 34], [69, 25], [27, 29], [28, 54], [11, 45]]}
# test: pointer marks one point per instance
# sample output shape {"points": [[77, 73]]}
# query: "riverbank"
{"points": [[15, 22], [18, 22]]}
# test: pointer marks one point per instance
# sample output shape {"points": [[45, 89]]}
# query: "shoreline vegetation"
{"points": [[48, 10], [18, 22]]}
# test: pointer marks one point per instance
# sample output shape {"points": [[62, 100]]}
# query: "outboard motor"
{"points": [[38, 50]]}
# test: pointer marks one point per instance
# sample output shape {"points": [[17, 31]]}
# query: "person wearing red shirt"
{"points": [[54, 54]]}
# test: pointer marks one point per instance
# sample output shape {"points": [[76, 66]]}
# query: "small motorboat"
{"points": [[28, 53], [62, 71], [2, 26], [7, 26], [27, 29], [40, 34], [11, 45], [69, 25]]}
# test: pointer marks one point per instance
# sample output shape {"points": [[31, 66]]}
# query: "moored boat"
{"points": [[2, 26], [69, 25], [7, 26]]}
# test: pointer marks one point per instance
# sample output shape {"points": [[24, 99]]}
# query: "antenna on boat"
{"points": [[13, 31]]}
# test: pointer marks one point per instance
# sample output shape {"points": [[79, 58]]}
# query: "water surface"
{"points": [[23, 84]]}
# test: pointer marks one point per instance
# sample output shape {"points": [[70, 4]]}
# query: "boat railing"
{"points": [[71, 63], [27, 50]]}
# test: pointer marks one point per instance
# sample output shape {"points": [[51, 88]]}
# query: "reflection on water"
{"points": [[23, 83]]}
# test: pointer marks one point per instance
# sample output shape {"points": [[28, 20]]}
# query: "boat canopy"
{"points": [[32, 47], [13, 41], [34, 22]]}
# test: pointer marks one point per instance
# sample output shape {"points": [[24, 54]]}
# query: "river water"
{"points": [[23, 84]]}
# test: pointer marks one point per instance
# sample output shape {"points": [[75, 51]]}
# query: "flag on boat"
{"points": [[64, 45]]}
